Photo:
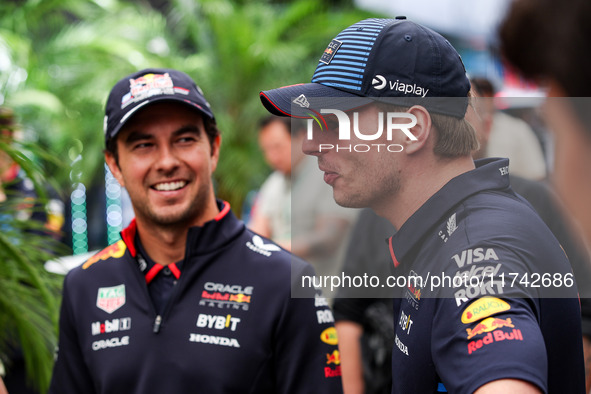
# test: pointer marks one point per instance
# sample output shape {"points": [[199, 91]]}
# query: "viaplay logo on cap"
{"points": [[379, 82]]}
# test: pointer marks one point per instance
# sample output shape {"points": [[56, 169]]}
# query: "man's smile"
{"points": [[169, 186]]}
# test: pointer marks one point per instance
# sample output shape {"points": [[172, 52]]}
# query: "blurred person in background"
{"points": [[542, 197], [548, 44], [554, 55], [16, 186], [363, 320], [20, 203], [297, 210], [511, 137]]}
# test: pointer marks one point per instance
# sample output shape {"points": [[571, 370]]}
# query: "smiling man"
{"points": [[459, 324], [189, 300]]}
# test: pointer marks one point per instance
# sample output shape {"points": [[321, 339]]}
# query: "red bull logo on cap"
{"points": [[487, 325], [146, 86], [149, 82]]}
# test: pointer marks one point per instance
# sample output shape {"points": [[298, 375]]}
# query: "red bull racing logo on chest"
{"points": [[109, 299], [226, 296]]}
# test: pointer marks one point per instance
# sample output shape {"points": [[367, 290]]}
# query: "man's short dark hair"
{"points": [[483, 86], [542, 39]]}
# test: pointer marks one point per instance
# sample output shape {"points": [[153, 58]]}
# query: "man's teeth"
{"points": [[170, 186]]}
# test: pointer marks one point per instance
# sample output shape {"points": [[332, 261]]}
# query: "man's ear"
{"points": [[215, 152], [421, 130], [114, 167]]}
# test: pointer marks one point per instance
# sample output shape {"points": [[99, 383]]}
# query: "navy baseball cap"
{"points": [[149, 86], [391, 60]]}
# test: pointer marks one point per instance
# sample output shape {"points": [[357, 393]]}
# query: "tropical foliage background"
{"points": [[58, 60]]}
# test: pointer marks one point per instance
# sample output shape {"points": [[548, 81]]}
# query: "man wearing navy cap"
{"points": [[189, 300], [487, 301]]}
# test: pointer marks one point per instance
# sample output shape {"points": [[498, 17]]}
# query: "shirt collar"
{"points": [[489, 174], [200, 239]]}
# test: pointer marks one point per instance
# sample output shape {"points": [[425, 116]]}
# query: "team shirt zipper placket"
{"points": [[169, 303], [140, 260]]}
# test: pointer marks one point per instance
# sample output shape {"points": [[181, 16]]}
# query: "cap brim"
{"points": [[298, 101], [202, 109]]}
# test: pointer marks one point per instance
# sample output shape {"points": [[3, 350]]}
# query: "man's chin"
{"points": [[348, 201], [174, 217]]}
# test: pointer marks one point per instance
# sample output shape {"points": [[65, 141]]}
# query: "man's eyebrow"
{"points": [[190, 128], [136, 136], [139, 135]]}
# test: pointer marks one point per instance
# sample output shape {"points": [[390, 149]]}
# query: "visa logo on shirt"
{"points": [[477, 255]]}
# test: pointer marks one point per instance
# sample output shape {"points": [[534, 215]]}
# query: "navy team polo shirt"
{"points": [[489, 327]]}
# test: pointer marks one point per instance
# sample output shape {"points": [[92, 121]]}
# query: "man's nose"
{"points": [[316, 138], [310, 146], [167, 159]]}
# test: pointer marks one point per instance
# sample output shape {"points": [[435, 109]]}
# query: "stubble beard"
{"points": [[183, 218], [367, 182], [374, 196]]}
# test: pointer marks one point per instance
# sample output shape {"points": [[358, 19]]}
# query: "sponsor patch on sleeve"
{"points": [[333, 359], [329, 336], [115, 250], [482, 308]]}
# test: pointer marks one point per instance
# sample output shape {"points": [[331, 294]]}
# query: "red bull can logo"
{"points": [[487, 325]]}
